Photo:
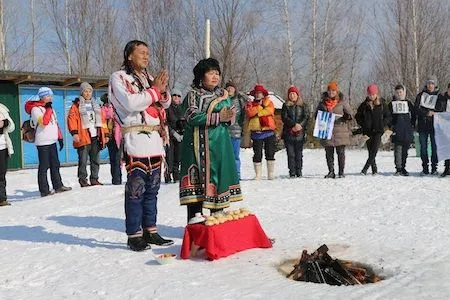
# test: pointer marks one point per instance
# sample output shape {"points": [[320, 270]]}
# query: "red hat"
{"points": [[333, 86], [293, 89], [372, 89], [259, 88]]}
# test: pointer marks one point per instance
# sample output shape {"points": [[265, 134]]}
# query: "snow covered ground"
{"points": [[72, 246]]}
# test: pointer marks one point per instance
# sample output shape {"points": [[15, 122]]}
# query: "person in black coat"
{"points": [[444, 106], [425, 106], [373, 115], [175, 121], [295, 115], [403, 121]]}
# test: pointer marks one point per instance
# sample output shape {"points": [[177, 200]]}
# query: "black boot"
{"points": [[192, 209], [447, 169], [155, 239], [137, 243], [404, 172], [365, 168], [374, 169], [398, 172], [330, 175]]}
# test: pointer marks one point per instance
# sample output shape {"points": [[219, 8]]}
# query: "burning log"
{"points": [[319, 267]]}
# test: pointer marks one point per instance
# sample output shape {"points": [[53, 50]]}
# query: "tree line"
{"points": [[273, 42]]}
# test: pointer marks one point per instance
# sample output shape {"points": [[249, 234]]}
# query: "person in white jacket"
{"points": [[6, 150], [43, 119], [139, 102]]}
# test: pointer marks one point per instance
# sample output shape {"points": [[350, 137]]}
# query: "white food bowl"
{"points": [[166, 258]]}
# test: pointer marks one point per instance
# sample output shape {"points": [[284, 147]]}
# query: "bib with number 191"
{"points": [[400, 107]]}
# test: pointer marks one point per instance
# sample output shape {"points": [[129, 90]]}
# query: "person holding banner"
{"points": [[261, 124], [295, 116], [425, 106], [403, 120], [373, 116], [335, 112]]}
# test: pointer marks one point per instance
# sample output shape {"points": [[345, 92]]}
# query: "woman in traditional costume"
{"points": [[208, 172]]}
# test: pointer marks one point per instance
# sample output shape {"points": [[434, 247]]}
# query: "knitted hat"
{"points": [[259, 88], [230, 83], [372, 89], [175, 92], [333, 86], [432, 79], [84, 86], [293, 89], [44, 91]]}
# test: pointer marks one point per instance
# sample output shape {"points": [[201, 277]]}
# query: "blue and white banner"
{"points": [[323, 129], [442, 134]]}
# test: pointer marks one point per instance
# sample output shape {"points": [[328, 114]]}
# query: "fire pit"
{"points": [[319, 267]]}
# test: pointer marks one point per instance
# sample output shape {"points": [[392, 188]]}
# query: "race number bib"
{"points": [[428, 101], [400, 107], [448, 105]]}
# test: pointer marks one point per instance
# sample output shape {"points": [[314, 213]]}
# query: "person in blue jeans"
{"points": [[139, 104], [238, 101], [425, 106]]}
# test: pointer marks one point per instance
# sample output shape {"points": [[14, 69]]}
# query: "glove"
{"points": [[48, 105], [177, 136], [61, 144]]}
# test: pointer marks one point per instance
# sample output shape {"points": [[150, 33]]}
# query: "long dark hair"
{"points": [[202, 67], [129, 48]]}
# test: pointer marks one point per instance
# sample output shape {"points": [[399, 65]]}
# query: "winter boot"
{"points": [[63, 189], [374, 169], [258, 170], [95, 182], [83, 182], [365, 168], [330, 175], [45, 194], [404, 172], [4, 203], [398, 173], [270, 169], [156, 239], [137, 243]]}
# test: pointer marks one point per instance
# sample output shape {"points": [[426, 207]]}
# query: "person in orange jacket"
{"points": [[90, 134], [261, 123]]}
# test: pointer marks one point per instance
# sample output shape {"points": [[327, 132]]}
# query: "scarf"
{"points": [[85, 119], [330, 103]]}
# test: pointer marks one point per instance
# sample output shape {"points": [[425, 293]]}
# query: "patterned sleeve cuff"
{"points": [[215, 119]]}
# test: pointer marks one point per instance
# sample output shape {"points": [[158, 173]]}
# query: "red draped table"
{"points": [[224, 239]]}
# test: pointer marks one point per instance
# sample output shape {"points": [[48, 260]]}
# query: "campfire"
{"points": [[319, 267]]}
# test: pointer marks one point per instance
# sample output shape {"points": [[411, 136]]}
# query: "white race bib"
{"points": [[428, 101], [448, 105], [400, 107]]}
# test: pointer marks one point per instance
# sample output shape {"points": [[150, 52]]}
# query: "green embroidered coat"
{"points": [[208, 171]]}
